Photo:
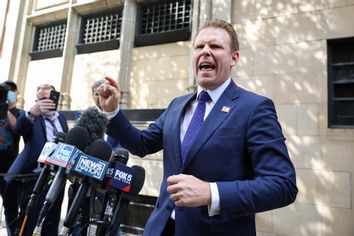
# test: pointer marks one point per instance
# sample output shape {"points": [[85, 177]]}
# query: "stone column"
{"points": [[202, 11], [21, 61], [221, 9], [126, 49], [69, 53]]}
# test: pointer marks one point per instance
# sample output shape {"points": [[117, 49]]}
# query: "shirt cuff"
{"points": [[214, 207], [29, 116], [111, 114]]}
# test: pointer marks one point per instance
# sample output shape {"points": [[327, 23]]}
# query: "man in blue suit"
{"points": [[218, 176], [38, 126]]}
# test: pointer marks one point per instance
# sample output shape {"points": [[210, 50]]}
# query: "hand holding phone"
{"points": [[54, 96]]}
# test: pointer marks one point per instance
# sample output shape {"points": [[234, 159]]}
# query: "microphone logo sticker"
{"points": [[91, 166], [47, 150], [122, 177], [62, 155]]}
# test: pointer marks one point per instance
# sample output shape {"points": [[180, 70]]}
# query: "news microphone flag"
{"points": [[46, 152], [122, 177], [88, 166], [63, 154]]}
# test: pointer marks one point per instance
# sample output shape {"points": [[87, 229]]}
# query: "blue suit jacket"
{"points": [[114, 143], [34, 135], [242, 150]]}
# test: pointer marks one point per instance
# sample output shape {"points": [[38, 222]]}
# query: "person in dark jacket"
{"points": [[38, 125]]}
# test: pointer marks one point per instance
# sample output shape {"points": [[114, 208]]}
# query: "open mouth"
{"points": [[206, 66]]}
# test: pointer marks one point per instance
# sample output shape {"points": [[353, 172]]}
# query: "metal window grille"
{"points": [[50, 37], [341, 82], [164, 17], [102, 28]]}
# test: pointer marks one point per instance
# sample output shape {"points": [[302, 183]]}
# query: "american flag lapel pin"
{"points": [[225, 109]]}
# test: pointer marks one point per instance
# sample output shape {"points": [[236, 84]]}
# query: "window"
{"points": [[163, 22], [341, 82], [49, 41], [100, 32]]}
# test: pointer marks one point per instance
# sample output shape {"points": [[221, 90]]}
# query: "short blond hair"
{"points": [[217, 23], [45, 87]]}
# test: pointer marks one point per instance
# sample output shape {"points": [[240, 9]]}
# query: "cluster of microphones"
{"points": [[83, 157]]}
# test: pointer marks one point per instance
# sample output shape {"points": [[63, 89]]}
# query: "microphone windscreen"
{"points": [[138, 180], [59, 137], [78, 137], [100, 149], [121, 155], [94, 122]]}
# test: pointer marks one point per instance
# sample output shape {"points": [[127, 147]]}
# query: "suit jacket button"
{"points": [[169, 208]]}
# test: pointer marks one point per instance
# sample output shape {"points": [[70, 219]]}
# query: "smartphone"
{"points": [[54, 96]]}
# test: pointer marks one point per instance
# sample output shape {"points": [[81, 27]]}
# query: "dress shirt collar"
{"points": [[216, 93]]}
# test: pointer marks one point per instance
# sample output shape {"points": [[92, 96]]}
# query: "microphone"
{"points": [[136, 186], [43, 159], [111, 196], [92, 167], [95, 122], [76, 140]]}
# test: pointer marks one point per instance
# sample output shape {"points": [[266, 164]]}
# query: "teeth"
{"points": [[206, 66]]}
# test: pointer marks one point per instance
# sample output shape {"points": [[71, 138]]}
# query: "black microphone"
{"points": [[44, 175], [59, 137], [76, 140], [99, 150], [136, 186], [111, 195], [95, 122]]}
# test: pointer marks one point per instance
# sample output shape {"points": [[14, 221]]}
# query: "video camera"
{"points": [[3, 103]]}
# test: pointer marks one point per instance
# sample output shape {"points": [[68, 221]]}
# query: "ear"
{"points": [[234, 58]]}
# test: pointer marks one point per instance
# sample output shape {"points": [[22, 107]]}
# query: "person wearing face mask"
{"points": [[38, 125], [9, 147]]}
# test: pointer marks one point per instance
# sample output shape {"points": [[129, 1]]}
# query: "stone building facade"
{"points": [[299, 53]]}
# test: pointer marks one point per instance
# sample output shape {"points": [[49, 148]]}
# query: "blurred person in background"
{"points": [[9, 147], [39, 125], [114, 143]]}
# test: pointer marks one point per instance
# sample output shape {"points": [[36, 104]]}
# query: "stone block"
{"points": [[299, 27], [324, 187], [297, 219], [338, 22], [308, 120], [305, 152], [299, 88], [287, 118]]}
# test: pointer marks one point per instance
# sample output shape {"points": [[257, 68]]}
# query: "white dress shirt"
{"points": [[214, 207]]}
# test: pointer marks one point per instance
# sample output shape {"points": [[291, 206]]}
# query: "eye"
{"points": [[215, 46], [199, 46]]}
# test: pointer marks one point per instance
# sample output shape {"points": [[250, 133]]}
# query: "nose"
{"points": [[206, 50]]}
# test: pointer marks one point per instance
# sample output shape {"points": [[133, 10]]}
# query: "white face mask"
{"points": [[49, 113]]}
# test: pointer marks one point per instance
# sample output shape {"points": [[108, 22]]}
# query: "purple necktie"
{"points": [[195, 124]]}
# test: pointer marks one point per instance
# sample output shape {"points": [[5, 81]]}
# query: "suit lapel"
{"points": [[43, 127], [178, 114], [63, 123], [223, 107]]}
